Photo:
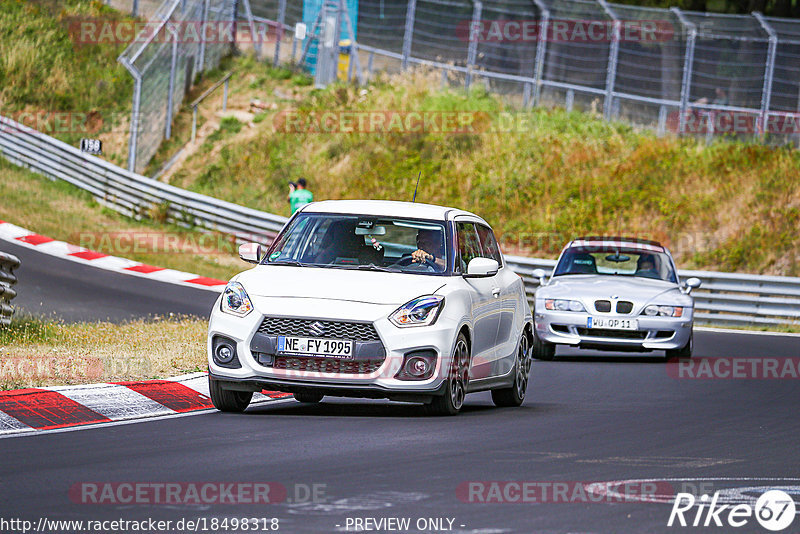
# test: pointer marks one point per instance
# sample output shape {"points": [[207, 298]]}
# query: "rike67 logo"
{"points": [[774, 510]]}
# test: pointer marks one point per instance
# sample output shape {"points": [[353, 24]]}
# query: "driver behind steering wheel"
{"points": [[429, 249]]}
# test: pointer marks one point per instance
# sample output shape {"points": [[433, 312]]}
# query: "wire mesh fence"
{"points": [[671, 70], [178, 40]]}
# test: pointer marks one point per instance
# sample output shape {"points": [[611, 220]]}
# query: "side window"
{"points": [[489, 244], [469, 245]]}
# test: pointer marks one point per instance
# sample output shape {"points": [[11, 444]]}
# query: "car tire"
{"points": [[542, 350], [228, 400], [515, 395], [456, 386], [684, 353], [308, 397]]}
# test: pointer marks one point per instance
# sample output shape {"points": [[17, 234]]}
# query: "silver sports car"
{"points": [[614, 293]]}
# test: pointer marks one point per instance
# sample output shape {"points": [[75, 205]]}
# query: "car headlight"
{"points": [[563, 305], [663, 311], [235, 300], [422, 311]]}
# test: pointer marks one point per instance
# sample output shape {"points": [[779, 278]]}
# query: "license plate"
{"points": [[312, 346], [612, 323]]}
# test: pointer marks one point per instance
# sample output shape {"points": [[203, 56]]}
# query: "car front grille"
{"points": [[602, 306], [287, 326], [327, 365], [611, 334], [624, 306]]}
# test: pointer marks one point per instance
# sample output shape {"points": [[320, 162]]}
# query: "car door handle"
{"points": [[496, 292]]}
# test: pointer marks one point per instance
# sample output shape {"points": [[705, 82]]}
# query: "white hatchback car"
{"points": [[376, 299]]}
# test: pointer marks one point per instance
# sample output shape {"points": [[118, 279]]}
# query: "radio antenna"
{"points": [[415, 189]]}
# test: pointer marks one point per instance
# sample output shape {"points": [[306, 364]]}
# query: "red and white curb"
{"points": [[24, 411], [20, 236]]}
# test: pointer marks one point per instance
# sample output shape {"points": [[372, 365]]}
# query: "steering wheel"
{"points": [[408, 260]]}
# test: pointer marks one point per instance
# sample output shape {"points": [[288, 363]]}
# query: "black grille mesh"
{"points": [[327, 365], [612, 334], [602, 305], [624, 306], [285, 326]]}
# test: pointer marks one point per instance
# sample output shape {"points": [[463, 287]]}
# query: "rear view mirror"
{"points": [[692, 283], [540, 275], [376, 230], [250, 252], [481, 267]]}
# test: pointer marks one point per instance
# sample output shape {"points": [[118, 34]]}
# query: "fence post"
{"points": [[688, 65], [613, 54], [249, 14], [170, 96], [409, 33], [472, 50], [662, 120], [201, 59], [135, 8], [135, 109], [769, 70], [279, 32], [541, 51]]}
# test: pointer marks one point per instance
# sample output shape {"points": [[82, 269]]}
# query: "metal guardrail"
{"points": [[129, 193], [724, 298], [7, 279]]}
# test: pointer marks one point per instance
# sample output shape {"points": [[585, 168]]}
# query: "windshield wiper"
{"points": [[373, 267], [294, 263]]}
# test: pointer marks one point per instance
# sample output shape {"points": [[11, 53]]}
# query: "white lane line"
{"points": [[9, 424], [113, 401], [19, 434], [749, 332]]}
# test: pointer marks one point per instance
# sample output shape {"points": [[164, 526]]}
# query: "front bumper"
{"points": [[256, 373], [653, 333]]}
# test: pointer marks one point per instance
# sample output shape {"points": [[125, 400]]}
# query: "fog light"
{"points": [[417, 365], [225, 353]]}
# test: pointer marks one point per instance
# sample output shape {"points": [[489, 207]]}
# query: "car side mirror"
{"points": [[481, 268], [250, 252], [540, 275], [692, 283]]}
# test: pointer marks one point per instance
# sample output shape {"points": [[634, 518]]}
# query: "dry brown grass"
{"points": [[36, 353]]}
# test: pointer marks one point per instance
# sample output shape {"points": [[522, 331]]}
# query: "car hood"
{"points": [[591, 287], [337, 284]]}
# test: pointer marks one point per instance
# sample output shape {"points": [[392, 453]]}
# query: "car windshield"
{"points": [[619, 261], [362, 242]]}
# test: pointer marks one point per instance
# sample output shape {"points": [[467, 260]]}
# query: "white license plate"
{"points": [[612, 323], [312, 346]]}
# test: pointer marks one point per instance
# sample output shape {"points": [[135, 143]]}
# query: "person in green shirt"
{"points": [[299, 196]]}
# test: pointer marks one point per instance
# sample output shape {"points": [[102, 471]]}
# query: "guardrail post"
{"points": [[194, 123], [279, 32], [170, 96], [135, 8], [769, 70], [225, 95], [613, 54], [541, 51], [409, 32], [569, 100], [688, 65], [472, 50]]}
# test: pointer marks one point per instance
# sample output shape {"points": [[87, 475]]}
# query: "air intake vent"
{"points": [[624, 306]]}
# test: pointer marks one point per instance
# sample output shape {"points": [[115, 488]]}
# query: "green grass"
{"points": [[729, 206], [43, 70], [61, 211]]}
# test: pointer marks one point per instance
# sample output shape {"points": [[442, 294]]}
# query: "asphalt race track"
{"points": [[586, 419], [55, 287]]}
